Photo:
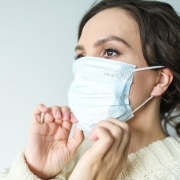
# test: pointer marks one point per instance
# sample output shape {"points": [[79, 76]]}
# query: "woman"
{"points": [[128, 60]]}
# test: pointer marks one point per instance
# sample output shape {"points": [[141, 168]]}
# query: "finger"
{"points": [[123, 135], [93, 135], [73, 118], [59, 113], [115, 129], [51, 114], [66, 113], [62, 116], [41, 108], [103, 143], [76, 140], [56, 113], [126, 150], [118, 122], [126, 136], [119, 131], [47, 117], [67, 125]]}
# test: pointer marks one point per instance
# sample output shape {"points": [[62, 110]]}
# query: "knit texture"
{"points": [[158, 161]]}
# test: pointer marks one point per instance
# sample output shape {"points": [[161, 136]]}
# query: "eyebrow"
{"points": [[104, 40]]}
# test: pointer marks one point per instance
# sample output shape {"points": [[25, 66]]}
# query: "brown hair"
{"points": [[159, 27]]}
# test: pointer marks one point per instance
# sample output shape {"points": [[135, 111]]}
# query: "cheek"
{"points": [[141, 88]]}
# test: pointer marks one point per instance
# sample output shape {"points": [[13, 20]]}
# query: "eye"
{"points": [[110, 52], [78, 56]]}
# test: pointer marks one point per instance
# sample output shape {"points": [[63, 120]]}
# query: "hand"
{"points": [[49, 148], [108, 155]]}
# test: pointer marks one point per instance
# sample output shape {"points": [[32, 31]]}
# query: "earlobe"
{"points": [[165, 80]]}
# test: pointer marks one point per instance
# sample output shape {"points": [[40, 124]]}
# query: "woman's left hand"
{"points": [[108, 156]]}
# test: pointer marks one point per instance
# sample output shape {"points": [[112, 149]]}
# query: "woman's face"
{"points": [[114, 34]]}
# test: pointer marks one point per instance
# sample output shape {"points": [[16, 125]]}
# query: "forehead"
{"points": [[109, 22]]}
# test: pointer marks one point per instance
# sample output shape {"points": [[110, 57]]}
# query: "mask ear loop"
{"points": [[143, 69], [142, 104], [148, 68]]}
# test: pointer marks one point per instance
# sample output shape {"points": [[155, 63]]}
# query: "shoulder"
{"points": [[163, 150], [158, 160]]}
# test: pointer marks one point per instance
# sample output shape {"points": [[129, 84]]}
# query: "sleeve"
{"points": [[3, 174], [19, 170]]}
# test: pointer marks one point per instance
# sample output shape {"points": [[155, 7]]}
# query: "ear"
{"points": [[166, 77]]}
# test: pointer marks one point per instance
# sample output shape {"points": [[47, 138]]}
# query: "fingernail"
{"points": [[73, 118], [44, 108], [66, 116], [58, 114]]}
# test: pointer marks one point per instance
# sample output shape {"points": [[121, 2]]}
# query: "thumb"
{"points": [[76, 140]]}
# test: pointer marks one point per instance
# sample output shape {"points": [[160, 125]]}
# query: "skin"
{"points": [[96, 40], [119, 23], [48, 148], [113, 139]]}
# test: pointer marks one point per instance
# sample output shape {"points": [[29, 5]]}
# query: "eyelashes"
{"points": [[107, 53], [78, 56], [111, 52]]}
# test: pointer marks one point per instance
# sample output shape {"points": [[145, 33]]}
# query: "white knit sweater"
{"points": [[160, 160]]}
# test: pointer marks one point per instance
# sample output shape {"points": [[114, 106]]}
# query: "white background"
{"points": [[37, 40]]}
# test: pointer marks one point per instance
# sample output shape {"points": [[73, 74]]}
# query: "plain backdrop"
{"points": [[37, 40]]}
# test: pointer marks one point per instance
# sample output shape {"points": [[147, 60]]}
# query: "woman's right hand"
{"points": [[49, 148], [108, 155]]}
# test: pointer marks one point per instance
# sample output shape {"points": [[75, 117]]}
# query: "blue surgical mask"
{"points": [[101, 89]]}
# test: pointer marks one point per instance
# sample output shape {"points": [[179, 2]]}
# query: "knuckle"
{"points": [[127, 130], [119, 131], [126, 127], [55, 107], [39, 106], [65, 108], [102, 122], [109, 140]]}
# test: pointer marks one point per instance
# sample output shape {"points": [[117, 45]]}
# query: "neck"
{"points": [[145, 128]]}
